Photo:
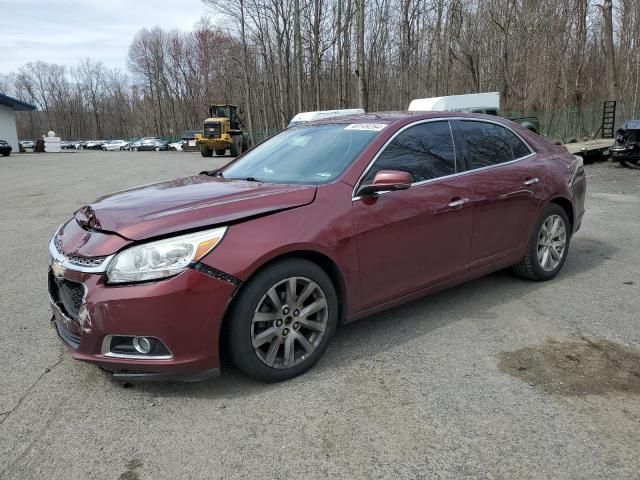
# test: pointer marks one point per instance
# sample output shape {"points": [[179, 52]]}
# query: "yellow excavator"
{"points": [[222, 131]]}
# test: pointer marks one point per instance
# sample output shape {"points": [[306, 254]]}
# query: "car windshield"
{"points": [[310, 154]]}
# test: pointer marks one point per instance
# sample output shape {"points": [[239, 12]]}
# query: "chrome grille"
{"points": [[66, 293]]}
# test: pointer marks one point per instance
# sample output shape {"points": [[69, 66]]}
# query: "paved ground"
{"points": [[451, 386]]}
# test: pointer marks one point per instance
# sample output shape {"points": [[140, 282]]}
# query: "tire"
{"points": [[532, 266], [242, 332], [220, 151], [206, 152], [6, 154], [135, 149], [235, 149], [122, 149], [157, 149], [245, 142]]}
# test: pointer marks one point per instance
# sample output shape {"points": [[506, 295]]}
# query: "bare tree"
{"points": [[609, 50], [274, 58]]}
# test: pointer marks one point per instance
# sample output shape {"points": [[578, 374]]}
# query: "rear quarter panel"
{"points": [[564, 176]]}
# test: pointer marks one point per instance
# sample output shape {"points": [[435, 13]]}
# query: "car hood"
{"points": [[188, 203]]}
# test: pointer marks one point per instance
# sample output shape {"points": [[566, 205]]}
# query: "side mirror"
{"points": [[386, 180]]}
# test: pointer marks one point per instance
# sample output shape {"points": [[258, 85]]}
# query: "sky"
{"points": [[66, 31]]}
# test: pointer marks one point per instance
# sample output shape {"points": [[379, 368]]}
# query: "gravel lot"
{"points": [[475, 382]]}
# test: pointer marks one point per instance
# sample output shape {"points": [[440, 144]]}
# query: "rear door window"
{"points": [[518, 147], [489, 144], [426, 151], [485, 143]]}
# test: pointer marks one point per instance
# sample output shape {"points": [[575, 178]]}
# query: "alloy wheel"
{"points": [[552, 242], [289, 323]]}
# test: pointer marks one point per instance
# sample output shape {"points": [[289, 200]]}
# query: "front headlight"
{"points": [[162, 258]]}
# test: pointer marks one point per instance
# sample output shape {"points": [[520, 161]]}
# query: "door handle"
{"points": [[458, 203], [531, 181]]}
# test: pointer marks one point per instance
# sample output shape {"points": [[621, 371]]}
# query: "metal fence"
{"points": [[262, 135], [567, 124]]}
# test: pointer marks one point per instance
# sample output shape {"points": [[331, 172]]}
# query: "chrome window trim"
{"points": [[448, 119], [455, 152], [58, 257], [106, 351]]}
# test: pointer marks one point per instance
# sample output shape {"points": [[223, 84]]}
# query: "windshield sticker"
{"points": [[376, 127]]}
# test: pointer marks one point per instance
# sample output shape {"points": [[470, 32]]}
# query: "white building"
{"points": [[8, 108]]}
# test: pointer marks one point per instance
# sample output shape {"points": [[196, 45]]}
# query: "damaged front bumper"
{"points": [[182, 315]]}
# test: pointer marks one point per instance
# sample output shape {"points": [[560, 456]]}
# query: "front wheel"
{"points": [[206, 152], [547, 247], [282, 321]]}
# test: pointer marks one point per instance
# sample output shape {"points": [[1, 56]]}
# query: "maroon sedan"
{"points": [[320, 225]]}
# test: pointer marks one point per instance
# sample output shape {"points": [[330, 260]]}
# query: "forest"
{"points": [[557, 59]]}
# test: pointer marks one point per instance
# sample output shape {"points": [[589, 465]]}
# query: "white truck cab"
{"points": [[475, 102], [305, 117]]}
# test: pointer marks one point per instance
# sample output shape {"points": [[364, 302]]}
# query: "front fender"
{"points": [[251, 244]]}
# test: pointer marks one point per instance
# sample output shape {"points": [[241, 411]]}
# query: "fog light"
{"points": [[142, 344]]}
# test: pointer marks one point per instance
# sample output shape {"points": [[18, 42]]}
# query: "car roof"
{"points": [[401, 117]]}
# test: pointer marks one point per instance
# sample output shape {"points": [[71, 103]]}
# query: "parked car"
{"points": [[626, 149], [318, 226], [5, 148], [93, 144], [135, 145], [176, 146], [112, 145], [69, 144], [27, 145], [151, 144]]}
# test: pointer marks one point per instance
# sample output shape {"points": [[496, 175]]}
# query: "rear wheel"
{"points": [[235, 149], [206, 152], [548, 246], [220, 151], [282, 321], [6, 154]]}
